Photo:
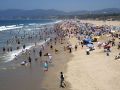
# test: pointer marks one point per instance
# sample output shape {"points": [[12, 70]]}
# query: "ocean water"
{"points": [[12, 30], [21, 22]]}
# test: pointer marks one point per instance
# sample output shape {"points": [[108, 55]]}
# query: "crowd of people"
{"points": [[85, 33]]}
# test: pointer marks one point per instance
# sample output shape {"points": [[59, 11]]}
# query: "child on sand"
{"points": [[45, 66], [87, 51]]}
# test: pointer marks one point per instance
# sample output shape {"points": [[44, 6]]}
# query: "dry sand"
{"points": [[95, 71], [112, 23]]}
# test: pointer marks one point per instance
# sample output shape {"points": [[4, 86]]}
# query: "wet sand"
{"points": [[93, 72], [51, 80], [33, 77]]}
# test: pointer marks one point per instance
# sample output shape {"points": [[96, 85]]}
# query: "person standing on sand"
{"points": [[51, 47], [50, 58], [45, 66], [62, 83], [87, 51], [76, 47], [82, 44], [40, 53]]}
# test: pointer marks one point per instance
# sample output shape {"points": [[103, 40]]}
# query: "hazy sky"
{"points": [[65, 5]]}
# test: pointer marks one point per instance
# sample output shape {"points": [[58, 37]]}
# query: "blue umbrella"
{"points": [[88, 40], [90, 45]]}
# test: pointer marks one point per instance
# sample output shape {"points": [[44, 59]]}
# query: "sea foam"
{"points": [[11, 55], [3, 28]]}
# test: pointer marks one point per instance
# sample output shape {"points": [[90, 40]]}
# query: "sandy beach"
{"points": [[96, 22], [96, 71], [93, 72], [33, 77]]}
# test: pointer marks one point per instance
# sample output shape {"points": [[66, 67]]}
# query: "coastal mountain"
{"points": [[103, 11], [17, 13], [36, 12], [107, 11]]}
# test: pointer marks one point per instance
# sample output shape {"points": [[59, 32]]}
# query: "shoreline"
{"points": [[19, 54], [82, 72], [40, 78]]}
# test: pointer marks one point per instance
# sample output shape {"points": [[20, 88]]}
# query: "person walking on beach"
{"points": [[62, 83]]}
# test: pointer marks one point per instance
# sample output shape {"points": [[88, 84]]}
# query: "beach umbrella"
{"points": [[90, 45], [88, 40]]}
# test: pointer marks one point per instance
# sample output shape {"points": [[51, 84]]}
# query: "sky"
{"points": [[64, 5]]}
